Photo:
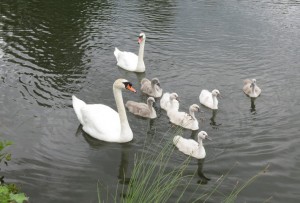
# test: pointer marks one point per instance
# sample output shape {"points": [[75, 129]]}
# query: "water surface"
{"points": [[50, 50]]}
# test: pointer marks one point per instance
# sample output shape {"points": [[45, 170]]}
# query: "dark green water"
{"points": [[50, 50]]}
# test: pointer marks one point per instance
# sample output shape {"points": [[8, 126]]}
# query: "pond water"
{"points": [[50, 50]]}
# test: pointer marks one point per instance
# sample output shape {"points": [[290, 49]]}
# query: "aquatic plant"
{"points": [[153, 180], [8, 191]]}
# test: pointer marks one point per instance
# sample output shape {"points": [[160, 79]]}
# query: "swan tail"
{"points": [[77, 106], [116, 53]]}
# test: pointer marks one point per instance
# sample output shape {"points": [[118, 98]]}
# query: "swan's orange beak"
{"points": [[130, 88]]}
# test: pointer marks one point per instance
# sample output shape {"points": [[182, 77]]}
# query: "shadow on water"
{"points": [[202, 178], [213, 122], [252, 109], [125, 151]]}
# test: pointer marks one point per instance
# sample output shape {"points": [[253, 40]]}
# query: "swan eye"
{"points": [[141, 36], [127, 84]]}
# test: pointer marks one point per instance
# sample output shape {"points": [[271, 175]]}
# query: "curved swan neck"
{"points": [[125, 128], [140, 63], [150, 106], [192, 113]]}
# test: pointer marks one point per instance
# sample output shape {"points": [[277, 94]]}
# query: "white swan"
{"points": [[142, 109], [169, 101], [130, 61], [209, 99], [191, 147], [251, 89], [151, 88], [101, 121], [183, 119]]}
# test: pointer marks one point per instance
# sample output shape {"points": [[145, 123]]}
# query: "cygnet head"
{"points": [[194, 108], [215, 92], [202, 135], [124, 84], [155, 81], [253, 83], [150, 100], [174, 96], [142, 37]]}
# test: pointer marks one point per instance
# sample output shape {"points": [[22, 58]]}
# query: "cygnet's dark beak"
{"points": [[207, 137]]}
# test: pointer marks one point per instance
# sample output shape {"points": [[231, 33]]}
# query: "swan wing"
{"points": [[146, 87], [186, 146], [206, 98], [246, 87], [257, 90], [165, 100], [137, 108], [126, 60], [101, 122]]}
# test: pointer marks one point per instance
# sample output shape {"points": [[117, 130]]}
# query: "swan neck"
{"points": [[150, 106], [200, 142], [192, 113], [214, 102], [121, 110], [252, 88], [140, 63]]}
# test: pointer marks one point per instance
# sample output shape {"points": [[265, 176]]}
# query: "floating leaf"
{"points": [[19, 198]]}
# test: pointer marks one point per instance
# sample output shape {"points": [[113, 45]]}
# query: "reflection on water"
{"points": [[123, 176], [213, 122], [203, 179], [252, 108]]}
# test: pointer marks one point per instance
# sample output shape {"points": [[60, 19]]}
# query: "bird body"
{"points": [[183, 119], [130, 61], [142, 109], [190, 147], [169, 101], [151, 88], [251, 89], [101, 121], [209, 99]]}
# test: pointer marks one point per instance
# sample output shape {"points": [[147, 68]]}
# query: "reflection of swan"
{"points": [[130, 61], [142, 109], [191, 147], [151, 88], [123, 168], [183, 119], [252, 105], [209, 99], [250, 88], [169, 101], [101, 121], [203, 178], [212, 119]]}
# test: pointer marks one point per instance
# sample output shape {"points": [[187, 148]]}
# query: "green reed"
{"points": [[153, 181]]}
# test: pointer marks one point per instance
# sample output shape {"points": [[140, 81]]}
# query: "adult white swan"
{"points": [[209, 99], [151, 88], [191, 147], [130, 61], [142, 109], [251, 89], [185, 120], [101, 121], [169, 101]]}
